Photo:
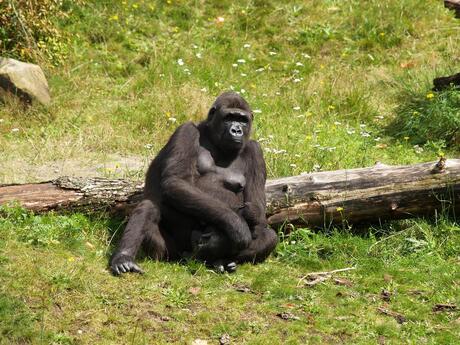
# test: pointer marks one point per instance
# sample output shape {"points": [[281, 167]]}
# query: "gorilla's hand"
{"points": [[238, 231], [123, 264], [249, 213]]}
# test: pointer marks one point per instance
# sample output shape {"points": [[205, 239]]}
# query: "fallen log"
{"points": [[319, 199]]}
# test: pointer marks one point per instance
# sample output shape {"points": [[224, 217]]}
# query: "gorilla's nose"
{"points": [[236, 131]]}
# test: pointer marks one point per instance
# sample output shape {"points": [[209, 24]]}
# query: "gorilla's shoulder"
{"points": [[188, 130], [187, 126], [254, 146]]}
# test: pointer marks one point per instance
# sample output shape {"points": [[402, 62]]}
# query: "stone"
{"points": [[25, 80]]}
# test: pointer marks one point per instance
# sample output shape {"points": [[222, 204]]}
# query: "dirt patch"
{"points": [[112, 166]]}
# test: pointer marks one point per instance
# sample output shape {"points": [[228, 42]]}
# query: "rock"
{"points": [[25, 80]]}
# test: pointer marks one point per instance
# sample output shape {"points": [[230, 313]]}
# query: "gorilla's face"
{"points": [[230, 129], [230, 121]]}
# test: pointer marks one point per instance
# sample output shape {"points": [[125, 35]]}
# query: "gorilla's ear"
{"points": [[211, 113]]}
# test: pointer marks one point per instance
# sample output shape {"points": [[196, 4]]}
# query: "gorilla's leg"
{"points": [[260, 248], [142, 227]]}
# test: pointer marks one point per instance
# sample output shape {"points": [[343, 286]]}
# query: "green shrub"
{"points": [[429, 118], [29, 31]]}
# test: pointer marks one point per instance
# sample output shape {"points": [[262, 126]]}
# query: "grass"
{"points": [[56, 288], [334, 84]]}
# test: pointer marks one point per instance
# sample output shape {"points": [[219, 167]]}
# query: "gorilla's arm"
{"points": [[256, 176], [177, 188], [265, 239]]}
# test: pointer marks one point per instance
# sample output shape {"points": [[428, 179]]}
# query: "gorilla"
{"points": [[204, 196]]}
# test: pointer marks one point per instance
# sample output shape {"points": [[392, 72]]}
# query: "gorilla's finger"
{"points": [[219, 268], [121, 268], [136, 268], [231, 267], [115, 270], [126, 266]]}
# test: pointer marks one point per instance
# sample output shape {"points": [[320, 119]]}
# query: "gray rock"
{"points": [[25, 80]]}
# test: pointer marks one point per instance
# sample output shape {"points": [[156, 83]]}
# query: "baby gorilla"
{"points": [[228, 187]]}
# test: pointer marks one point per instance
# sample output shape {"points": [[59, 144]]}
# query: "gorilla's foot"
{"points": [[123, 264], [222, 267]]}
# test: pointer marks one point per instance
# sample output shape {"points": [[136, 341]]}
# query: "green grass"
{"points": [[335, 84], [55, 288], [327, 77]]}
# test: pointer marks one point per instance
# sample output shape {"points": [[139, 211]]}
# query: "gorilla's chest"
{"points": [[230, 177]]}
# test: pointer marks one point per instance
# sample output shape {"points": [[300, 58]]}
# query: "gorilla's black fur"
{"points": [[204, 194]]}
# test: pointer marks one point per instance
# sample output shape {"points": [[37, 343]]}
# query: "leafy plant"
{"points": [[28, 29], [431, 117]]}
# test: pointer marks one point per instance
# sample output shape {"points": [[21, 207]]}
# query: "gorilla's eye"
{"points": [[237, 118]]}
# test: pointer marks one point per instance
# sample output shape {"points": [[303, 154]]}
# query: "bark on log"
{"points": [[453, 5], [363, 195]]}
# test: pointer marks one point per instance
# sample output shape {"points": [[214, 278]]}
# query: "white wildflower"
{"points": [[172, 119], [247, 45], [234, 65], [350, 131], [362, 125], [337, 123], [148, 146], [418, 149], [365, 134], [272, 53], [260, 69], [180, 62], [244, 75], [299, 64], [242, 91], [15, 130], [296, 108], [241, 61], [293, 165], [198, 55], [257, 111], [297, 80]]}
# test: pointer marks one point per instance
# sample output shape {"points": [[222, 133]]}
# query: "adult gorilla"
{"points": [[180, 215]]}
